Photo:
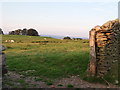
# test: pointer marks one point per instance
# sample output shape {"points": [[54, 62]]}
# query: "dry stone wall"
{"points": [[2, 60], [104, 48], [3, 69]]}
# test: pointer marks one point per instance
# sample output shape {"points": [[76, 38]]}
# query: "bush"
{"points": [[70, 86]]}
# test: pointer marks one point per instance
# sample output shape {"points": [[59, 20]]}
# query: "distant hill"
{"points": [[61, 37], [53, 36]]}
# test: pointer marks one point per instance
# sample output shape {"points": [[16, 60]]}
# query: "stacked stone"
{"points": [[103, 64], [2, 60], [107, 44], [110, 54]]}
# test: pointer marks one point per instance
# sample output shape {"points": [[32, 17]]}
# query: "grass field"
{"points": [[48, 58]]}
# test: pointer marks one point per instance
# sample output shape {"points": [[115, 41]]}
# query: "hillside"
{"points": [[46, 57]]}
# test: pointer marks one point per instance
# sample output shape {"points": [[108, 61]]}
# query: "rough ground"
{"points": [[14, 80]]}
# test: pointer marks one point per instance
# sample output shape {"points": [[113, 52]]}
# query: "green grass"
{"points": [[53, 60], [59, 85], [49, 83], [70, 86], [38, 79]]}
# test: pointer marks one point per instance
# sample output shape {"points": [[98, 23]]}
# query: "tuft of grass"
{"points": [[38, 79], [49, 83], [20, 81], [9, 83], [60, 85], [70, 86]]}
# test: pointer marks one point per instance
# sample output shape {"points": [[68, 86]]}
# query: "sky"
{"points": [[57, 18]]}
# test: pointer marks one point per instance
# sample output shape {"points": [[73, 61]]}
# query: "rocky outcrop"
{"points": [[29, 32], [104, 48], [1, 32]]}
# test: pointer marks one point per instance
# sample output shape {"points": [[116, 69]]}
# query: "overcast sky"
{"points": [[57, 18]]}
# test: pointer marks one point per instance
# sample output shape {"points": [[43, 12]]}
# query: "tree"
{"points": [[67, 38]]}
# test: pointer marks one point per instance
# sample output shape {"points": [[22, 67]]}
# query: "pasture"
{"points": [[48, 59]]}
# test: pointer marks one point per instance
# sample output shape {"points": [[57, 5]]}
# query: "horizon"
{"points": [[57, 18]]}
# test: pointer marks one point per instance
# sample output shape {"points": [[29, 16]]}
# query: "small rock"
{"points": [[116, 81]]}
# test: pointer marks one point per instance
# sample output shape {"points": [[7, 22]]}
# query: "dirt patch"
{"points": [[14, 80], [78, 83]]}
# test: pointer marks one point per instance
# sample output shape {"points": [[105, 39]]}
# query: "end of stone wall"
{"points": [[104, 47], [2, 60]]}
